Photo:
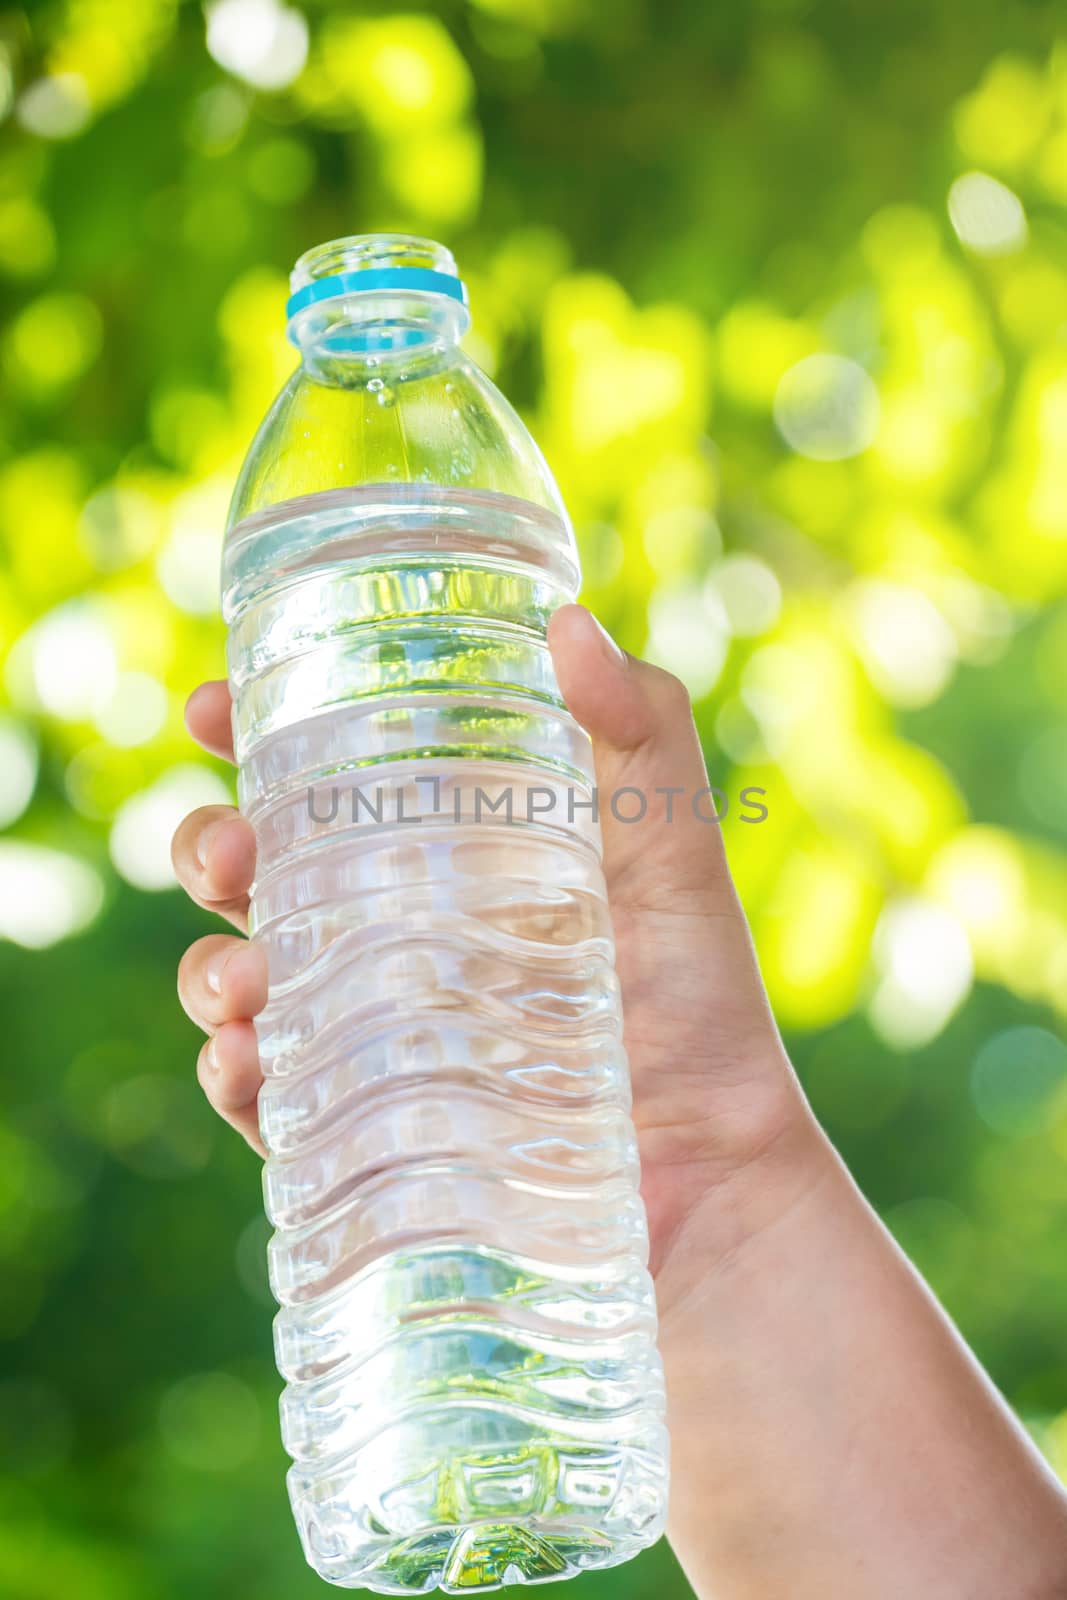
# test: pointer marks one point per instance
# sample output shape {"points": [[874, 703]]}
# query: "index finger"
{"points": [[207, 716]]}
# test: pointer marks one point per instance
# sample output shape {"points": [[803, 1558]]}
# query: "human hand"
{"points": [[714, 1096]]}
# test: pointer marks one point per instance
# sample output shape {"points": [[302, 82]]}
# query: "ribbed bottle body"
{"points": [[467, 1324]]}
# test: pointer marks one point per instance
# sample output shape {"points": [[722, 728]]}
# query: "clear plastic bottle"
{"points": [[467, 1323]]}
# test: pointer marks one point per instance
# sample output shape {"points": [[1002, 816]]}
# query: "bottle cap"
{"points": [[407, 280]]}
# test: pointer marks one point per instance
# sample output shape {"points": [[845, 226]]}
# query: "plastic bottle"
{"points": [[467, 1323]]}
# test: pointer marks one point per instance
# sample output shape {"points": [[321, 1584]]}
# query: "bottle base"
{"points": [[484, 1556], [458, 1548]]}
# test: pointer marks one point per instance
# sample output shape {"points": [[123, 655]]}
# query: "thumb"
{"points": [[663, 848], [708, 1067]]}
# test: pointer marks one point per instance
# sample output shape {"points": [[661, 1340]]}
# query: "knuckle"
{"points": [[671, 692]]}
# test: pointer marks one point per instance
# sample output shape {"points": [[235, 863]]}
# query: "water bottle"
{"points": [[467, 1324]]}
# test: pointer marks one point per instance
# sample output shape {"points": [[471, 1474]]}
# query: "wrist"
{"points": [[770, 1174]]}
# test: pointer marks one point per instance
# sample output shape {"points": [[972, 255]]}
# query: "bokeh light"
{"points": [[73, 660], [1016, 1078], [905, 643], [689, 635], [749, 592], [55, 107], [52, 342], [136, 710], [18, 769], [988, 218], [925, 970], [145, 823], [210, 1421], [827, 408], [45, 894], [261, 41]]}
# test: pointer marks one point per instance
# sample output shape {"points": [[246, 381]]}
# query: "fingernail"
{"points": [[210, 1061], [607, 642], [205, 841], [213, 971]]}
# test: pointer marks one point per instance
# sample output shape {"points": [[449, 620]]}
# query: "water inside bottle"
{"points": [[467, 1325]]}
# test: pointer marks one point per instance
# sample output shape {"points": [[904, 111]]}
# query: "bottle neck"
{"points": [[376, 300]]}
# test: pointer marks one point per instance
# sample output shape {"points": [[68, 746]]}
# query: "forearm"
{"points": [[832, 1435]]}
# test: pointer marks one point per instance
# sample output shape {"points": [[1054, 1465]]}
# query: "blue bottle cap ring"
{"points": [[420, 279]]}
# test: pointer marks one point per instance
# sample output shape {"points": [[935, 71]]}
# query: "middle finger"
{"points": [[222, 979]]}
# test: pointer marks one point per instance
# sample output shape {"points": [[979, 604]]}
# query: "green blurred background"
{"points": [[782, 288]]}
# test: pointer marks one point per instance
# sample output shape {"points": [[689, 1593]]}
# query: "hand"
{"points": [[832, 1437], [714, 1095]]}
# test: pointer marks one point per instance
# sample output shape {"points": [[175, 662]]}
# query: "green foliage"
{"points": [[781, 288]]}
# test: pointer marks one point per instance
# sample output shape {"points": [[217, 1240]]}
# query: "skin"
{"points": [[832, 1436]]}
